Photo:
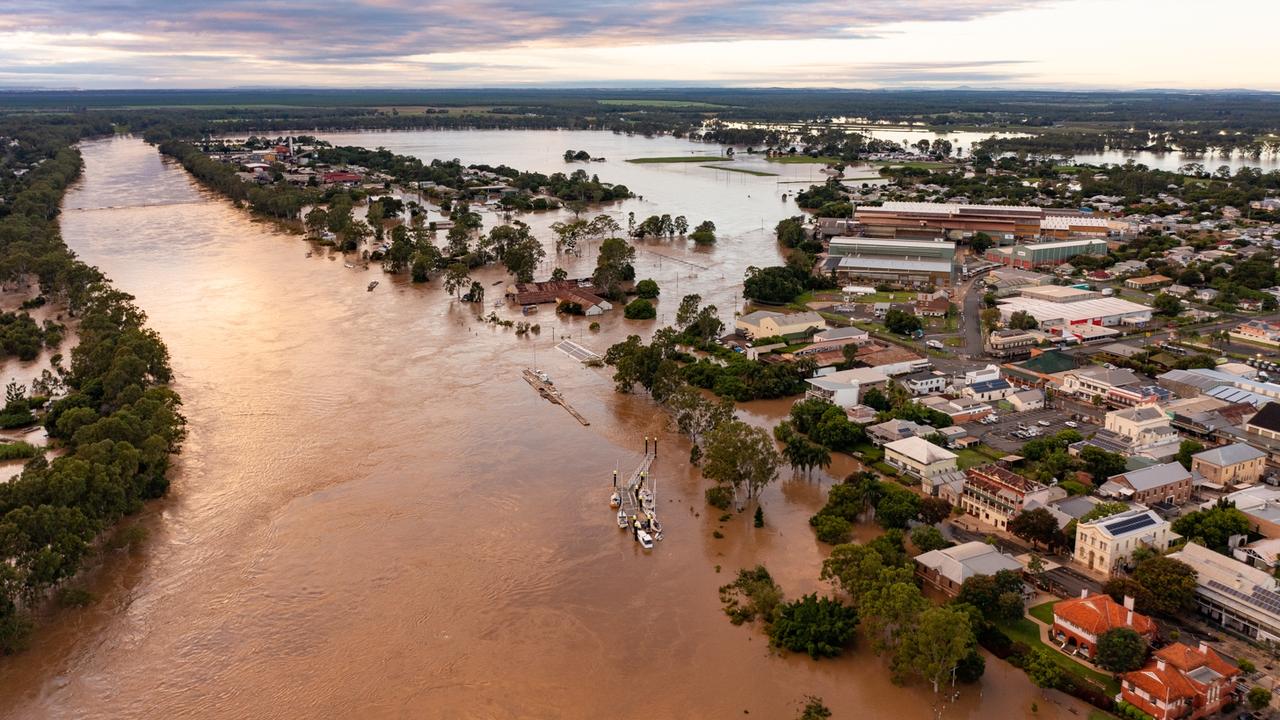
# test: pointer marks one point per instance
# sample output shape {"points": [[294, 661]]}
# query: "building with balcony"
{"points": [[1180, 682], [1078, 622], [994, 494]]}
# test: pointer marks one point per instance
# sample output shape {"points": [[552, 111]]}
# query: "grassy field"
{"points": [[918, 164], [661, 103], [678, 159], [760, 173], [1043, 612], [953, 342], [879, 297], [1027, 632], [803, 159], [977, 455]]}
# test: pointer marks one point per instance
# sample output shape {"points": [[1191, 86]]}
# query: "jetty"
{"points": [[541, 382], [635, 500]]}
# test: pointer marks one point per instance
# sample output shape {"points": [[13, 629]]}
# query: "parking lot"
{"points": [[1000, 435]]}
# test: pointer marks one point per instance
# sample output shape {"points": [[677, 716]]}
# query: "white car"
{"points": [[1044, 423], [934, 344], [1071, 424]]}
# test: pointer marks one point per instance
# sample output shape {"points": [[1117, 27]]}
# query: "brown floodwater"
{"points": [[376, 517]]}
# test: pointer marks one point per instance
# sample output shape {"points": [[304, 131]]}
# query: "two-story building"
{"points": [[1180, 682], [765, 323], [1235, 464], [919, 458], [948, 568], [1105, 544], [994, 494], [1078, 622], [924, 382]]}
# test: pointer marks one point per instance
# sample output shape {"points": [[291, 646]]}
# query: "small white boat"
{"points": [[614, 500], [644, 539], [646, 499], [622, 520], [347, 265]]}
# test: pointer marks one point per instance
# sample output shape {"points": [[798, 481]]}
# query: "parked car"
{"points": [[1044, 423], [1071, 424]]}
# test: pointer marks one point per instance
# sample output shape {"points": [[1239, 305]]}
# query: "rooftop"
{"points": [[1097, 614], [966, 560], [1152, 477], [1072, 312], [1230, 455], [920, 450]]}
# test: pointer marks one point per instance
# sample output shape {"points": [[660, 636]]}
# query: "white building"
{"points": [[919, 458], [1103, 545], [1107, 311], [845, 388]]}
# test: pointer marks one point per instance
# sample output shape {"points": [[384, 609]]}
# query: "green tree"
{"points": [[927, 538], [1042, 669], [704, 234], [1121, 650], [1186, 449], [940, 639], [987, 593], [739, 455], [934, 510], [1037, 526], [814, 709], [1259, 698], [820, 626], [1100, 463], [753, 594], [1102, 510], [647, 289], [857, 568], [1166, 304], [613, 266], [1213, 527], [889, 610], [902, 322], [456, 278], [1171, 583], [640, 309], [1022, 320], [896, 507]]}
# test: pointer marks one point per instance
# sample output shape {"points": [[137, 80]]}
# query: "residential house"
{"points": [[1079, 622], [1235, 464], [919, 458], [1119, 387], [1168, 483], [1266, 423], [845, 387], [1180, 682], [765, 323], [1262, 332], [895, 429], [948, 568], [924, 383], [988, 390], [1148, 282], [834, 340], [935, 307], [1025, 400], [1105, 544], [960, 410]]}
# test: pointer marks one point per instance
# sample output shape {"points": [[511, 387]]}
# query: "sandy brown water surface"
{"points": [[375, 517]]}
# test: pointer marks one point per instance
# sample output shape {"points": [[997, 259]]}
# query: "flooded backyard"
{"points": [[375, 516]]}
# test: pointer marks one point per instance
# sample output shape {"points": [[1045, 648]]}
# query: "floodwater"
{"points": [[375, 517]]}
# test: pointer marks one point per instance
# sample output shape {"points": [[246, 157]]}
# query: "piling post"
{"points": [[655, 446], [615, 479]]}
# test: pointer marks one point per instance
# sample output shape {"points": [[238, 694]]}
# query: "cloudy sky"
{"points": [[837, 43]]}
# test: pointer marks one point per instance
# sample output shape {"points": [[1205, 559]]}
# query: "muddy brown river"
{"points": [[376, 517]]}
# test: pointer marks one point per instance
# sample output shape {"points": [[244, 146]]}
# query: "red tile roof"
{"points": [[1173, 680], [1097, 614]]}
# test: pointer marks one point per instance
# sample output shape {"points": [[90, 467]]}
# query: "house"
{"points": [[1011, 344], [1148, 282], [1266, 423], [1025, 400], [1257, 331], [1180, 682], [924, 383], [936, 307], [1235, 464], [1260, 504], [919, 458], [348, 179], [988, 390], [845, 387], [1078, 622], [1232, 594], [994, 494], [1105, 544], [947, 569], [960, 410], [986, 374], [1119, 387], [1166, 483], [764, 323], [834, 340], [895, 429]]}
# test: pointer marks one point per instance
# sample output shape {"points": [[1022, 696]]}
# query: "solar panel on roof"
{"points": [[1126, 525]]}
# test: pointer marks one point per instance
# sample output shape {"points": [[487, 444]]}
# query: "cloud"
{"points": [[173, 38]]}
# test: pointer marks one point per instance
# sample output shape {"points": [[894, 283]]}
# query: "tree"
{"points": [[1042, 669], [857, 568], [647, 289], [1120, 588], [681, 225], [738, 454], [933, 649], [613, 266], [934, 510], [1121, 650], [897, 506], [1102, 510], [987, 593], [775, 285], [820, 626], [1171, 583], [456, 278], [990, 318], [902, 322], [753, 594], [1259, 698], [814, 709], [1186, 449], [522, 255], [1101, 464], [704, 234], [1213, 527], [889, 610], [927, 538], [1037, 526], [1022, 320], [640, 309], [1166, 304], [831, 529]]}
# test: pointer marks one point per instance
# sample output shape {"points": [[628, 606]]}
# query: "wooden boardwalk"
{"points": [[549, 391]]}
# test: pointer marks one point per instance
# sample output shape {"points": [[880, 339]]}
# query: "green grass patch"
{"points": [[953, 342], [805, 160], [677, 159], [661, 103], [758, 173], [1043, 612], [975, 455], [870, 452], [1027, 632], [879, 297]]}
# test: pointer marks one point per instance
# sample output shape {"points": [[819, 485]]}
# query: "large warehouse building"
{"points": [[912, 263], [1004, 223], [1107, 311], [1034, 255]]}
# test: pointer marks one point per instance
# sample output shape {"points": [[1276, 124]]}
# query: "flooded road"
{"points": [[375, 517]]}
